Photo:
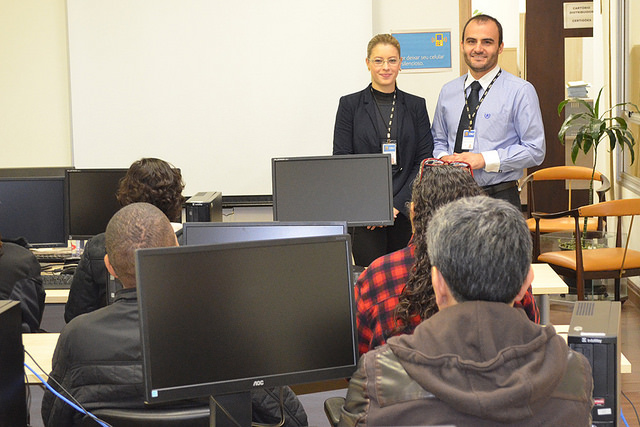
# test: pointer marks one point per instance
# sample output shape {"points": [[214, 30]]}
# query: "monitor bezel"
{"points": [[242, 384], [67, 195], [195, 225], [388, 220], [64, 241]]}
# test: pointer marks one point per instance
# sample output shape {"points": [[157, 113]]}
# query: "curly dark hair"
{"points": [[156, 182], [439, 185]]}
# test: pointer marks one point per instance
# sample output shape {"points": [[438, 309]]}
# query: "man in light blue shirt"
{"points": [[501, 131]]}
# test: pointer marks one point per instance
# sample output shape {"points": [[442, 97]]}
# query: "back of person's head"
{"points": [[435, 187], [135, 226], [153, 181], [482, 248]]}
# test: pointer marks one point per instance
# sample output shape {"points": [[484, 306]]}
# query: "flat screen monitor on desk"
{"points": [[208, 233], [33, 208], [91, 200], [227, 318], [353, 188]]}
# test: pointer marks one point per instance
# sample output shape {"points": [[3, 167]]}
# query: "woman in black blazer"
{"points": [[380, 119]]}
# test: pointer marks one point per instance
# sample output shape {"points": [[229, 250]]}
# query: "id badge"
{"points": [[468, 138], [390, 147]]}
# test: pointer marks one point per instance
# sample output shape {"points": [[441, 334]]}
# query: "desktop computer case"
{"points": [[595, 332], [204, 207]]}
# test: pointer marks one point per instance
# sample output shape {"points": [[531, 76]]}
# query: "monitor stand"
{"points": [[238, 405]]}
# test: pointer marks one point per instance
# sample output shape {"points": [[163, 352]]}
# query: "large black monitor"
{"points": [[91, 200], [13, 402], [33, 208], [353, 188], [227, 318], [207, 233]]}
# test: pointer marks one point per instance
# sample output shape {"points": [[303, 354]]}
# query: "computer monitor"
{"points": [[33, 172], [207, 233], [13, 402], [228, 318], [353, 188], [91, 200], [33, 208]]}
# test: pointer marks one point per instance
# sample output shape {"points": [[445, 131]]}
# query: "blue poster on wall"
{"points": [[425, 50]]}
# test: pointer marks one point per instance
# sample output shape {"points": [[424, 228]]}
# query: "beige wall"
{"points": [[34, 88]]}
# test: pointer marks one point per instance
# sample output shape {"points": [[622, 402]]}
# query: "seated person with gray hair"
{"points": [[477, 362]]}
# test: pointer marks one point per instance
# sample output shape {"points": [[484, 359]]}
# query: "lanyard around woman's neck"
{"points": [[393, 108]]}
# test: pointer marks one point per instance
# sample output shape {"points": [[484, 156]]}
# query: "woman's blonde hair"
{"points": [[382, 39]]}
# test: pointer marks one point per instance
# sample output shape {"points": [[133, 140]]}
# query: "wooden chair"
{"points": [[569, 174], [600, 263]]}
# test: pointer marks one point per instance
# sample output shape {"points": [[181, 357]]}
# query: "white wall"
{"points": [[217, 88], [34, 84], [507, 12]]}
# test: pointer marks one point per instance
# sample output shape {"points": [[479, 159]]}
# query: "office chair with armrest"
{"points": [[567, 174], [600, 263], [332, 407], [147, 417]]}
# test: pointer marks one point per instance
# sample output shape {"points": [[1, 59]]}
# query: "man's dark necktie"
{"points": [[472, 102]]}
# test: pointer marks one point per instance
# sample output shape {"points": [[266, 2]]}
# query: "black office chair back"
{"points": [[183, 417]]}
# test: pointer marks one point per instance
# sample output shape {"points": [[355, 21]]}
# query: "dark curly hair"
{"points": [[156, 182], [439, 185]]}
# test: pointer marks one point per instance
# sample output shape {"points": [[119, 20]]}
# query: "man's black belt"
{"points": [[496, 188]]}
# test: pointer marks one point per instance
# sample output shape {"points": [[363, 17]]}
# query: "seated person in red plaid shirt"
{"points": [[390, 293]]}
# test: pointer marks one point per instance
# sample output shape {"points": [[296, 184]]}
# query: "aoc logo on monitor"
{"points": [[258, 383]]}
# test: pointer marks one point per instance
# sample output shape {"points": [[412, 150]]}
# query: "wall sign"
{"points": [[578, 15], [425, 50]]}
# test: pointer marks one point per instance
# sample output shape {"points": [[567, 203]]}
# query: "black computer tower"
{"points": [[204, 207], [13, 402], [595, 332]]}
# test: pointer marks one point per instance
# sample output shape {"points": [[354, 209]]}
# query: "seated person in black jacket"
{"points": [[148, 180], [98, 357], [20, 280]]}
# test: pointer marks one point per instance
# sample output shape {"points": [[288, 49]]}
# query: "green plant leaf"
{"points": [[575, 149], [586, 144], [621, 122], [597, 104], [568, 123], [612, 138]]}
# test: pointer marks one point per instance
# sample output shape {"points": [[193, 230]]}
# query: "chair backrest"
{"points": [[147, 417], [614, 208], [563, 173]]}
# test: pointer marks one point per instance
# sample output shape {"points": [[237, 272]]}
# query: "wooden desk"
{"points": [[545, 282], [56, 296], [41, 347], [625, 365]]}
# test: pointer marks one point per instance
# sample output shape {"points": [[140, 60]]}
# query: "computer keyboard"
{"points": [[55, 257], [57, 281]]}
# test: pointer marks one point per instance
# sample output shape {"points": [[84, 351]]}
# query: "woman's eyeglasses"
{"points": [[440, 162], [379, 62]]}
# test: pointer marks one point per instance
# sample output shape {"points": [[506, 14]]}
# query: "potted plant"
{"points": [[593, 129]]}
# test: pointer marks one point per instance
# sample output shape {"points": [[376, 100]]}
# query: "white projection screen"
{"points": [[217, 88]]}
